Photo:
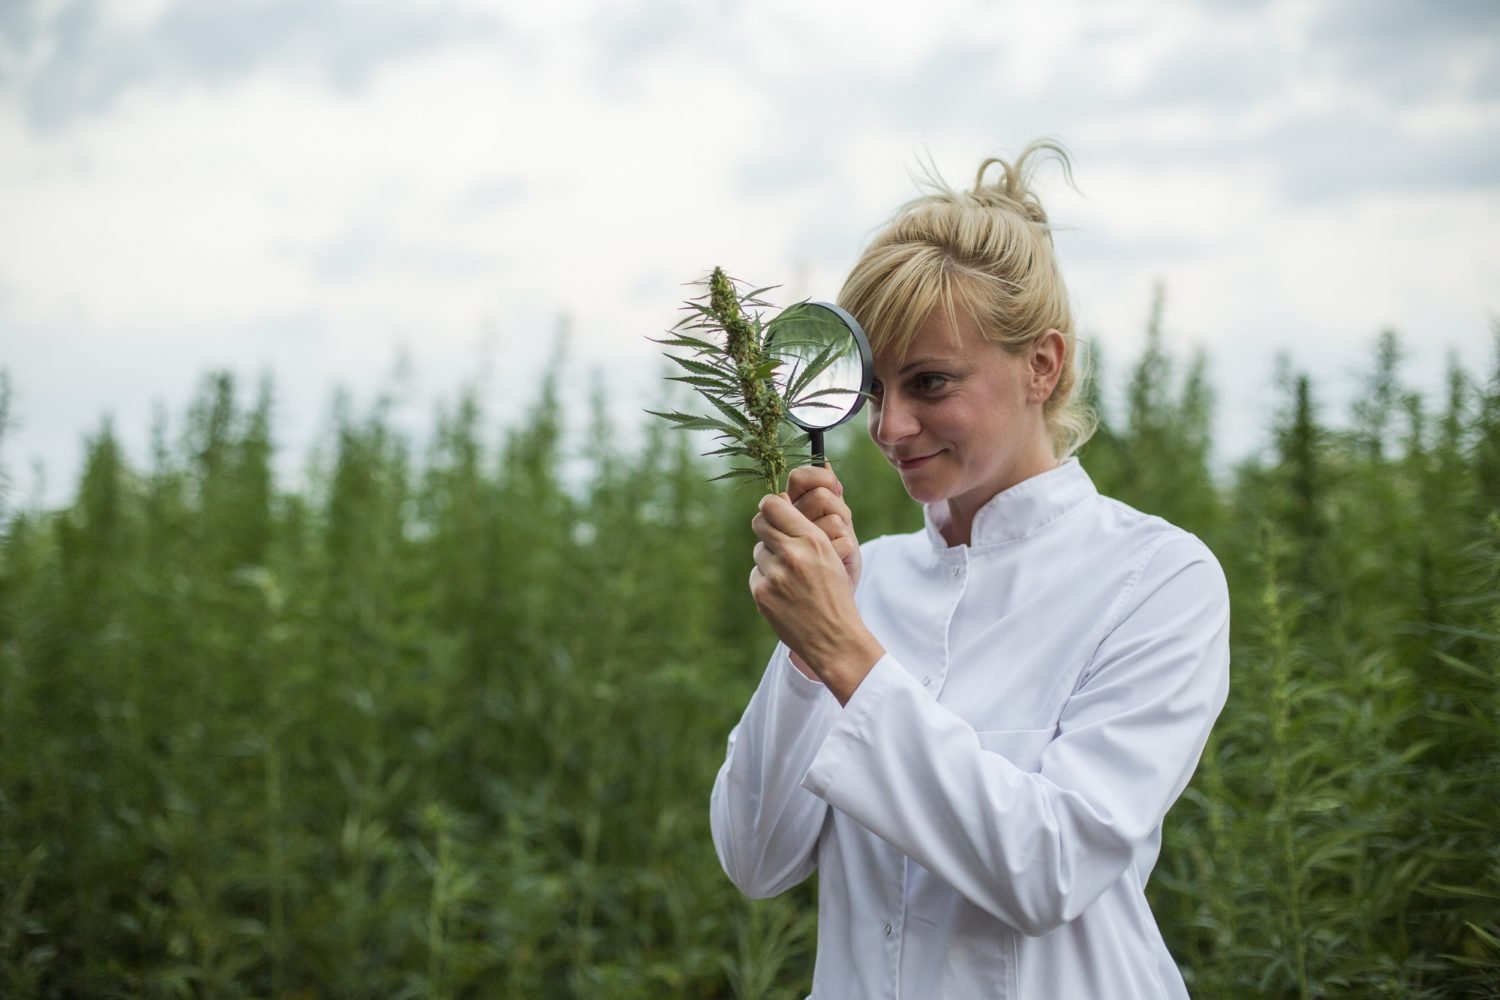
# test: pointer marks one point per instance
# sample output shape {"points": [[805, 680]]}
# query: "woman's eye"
{"points": [[929, 382]]}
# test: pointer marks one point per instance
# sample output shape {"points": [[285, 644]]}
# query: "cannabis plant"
{"points": [[752, 373]]}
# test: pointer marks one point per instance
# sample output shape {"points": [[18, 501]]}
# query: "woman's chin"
{"points": [[922, 489]]}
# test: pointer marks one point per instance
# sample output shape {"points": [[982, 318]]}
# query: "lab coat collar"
{"points": [[1020, 510]]}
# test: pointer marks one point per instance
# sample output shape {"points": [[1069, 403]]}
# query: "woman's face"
{"points": [[959, 417]]}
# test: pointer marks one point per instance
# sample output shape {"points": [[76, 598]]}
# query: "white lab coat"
{"points": [[985, 812]]}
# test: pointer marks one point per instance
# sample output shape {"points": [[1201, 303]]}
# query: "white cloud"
{"points": [[496, 167]]}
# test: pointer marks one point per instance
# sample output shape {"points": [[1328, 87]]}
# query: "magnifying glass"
{"points": [[826, 367]]}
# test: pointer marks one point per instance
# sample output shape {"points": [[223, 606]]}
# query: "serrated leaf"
{"points": [[702, 367], [765, 370], [703, 310], [708, 424], [817, 366], [689, 421], [807, 399], [798, 456], [693, 342], [740, 473], [702, 382], [675, 416], [688, 323], [734, 415], [803, 404]]}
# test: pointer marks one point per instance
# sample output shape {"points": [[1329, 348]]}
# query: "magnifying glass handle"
{"points": [[815, 440]]}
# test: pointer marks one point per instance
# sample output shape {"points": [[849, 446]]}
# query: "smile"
{"points": [[907, 464]]}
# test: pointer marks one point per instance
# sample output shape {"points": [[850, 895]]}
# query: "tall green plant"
{"points": [[1157, 458], [441, 720]]}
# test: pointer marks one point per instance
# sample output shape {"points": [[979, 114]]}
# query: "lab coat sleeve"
{"points": [[1036, 847], [765, 824]]}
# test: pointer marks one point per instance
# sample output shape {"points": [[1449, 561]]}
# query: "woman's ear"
{"points": [[1048, 352]]}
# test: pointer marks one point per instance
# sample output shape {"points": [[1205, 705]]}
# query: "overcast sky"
{"points": [[317, 189]]}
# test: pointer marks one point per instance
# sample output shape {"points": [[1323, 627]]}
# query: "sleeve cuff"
{"points": [[852, 726], [795, 682]]}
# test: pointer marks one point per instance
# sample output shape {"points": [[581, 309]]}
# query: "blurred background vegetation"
{"points": [[444, 724]]}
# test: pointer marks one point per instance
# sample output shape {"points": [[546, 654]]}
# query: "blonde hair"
{"points": [[989, 252]]}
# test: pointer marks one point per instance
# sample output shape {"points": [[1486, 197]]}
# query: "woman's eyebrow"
{"points": [[920, 362]]}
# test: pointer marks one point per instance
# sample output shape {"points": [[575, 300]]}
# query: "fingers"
{"points": [[819, 520], [812, 477], [785, 536], [782, 530], [839, 533], [817, 492], [820, 505], [777, 517], [827, 511], [768, 574], [817, 511]]}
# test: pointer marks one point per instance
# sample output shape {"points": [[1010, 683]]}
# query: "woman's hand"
{"points": [[803, 587], [819, 496]]}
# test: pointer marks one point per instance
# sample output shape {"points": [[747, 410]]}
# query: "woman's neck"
{"points": [[959, 529]]}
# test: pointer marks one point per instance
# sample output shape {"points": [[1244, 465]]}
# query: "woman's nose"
{"points": [[891, 420]]}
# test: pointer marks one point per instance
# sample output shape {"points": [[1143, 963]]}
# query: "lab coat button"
{"points": [[887, 930], [958, 571], [926, 681]]}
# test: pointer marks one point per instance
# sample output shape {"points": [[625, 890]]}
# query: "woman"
{"points": [[973, 732]]}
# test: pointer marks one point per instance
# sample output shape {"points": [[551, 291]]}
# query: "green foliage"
{"points": [[442, 724], [1157, 458]]}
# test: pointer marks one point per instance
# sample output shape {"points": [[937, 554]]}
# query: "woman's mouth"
{"points": [[908, 464]]}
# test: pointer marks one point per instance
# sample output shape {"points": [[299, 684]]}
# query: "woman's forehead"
{"points": [[942, 335]]}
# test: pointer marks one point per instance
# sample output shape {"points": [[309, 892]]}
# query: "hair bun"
{"points": [[1011, 189]]}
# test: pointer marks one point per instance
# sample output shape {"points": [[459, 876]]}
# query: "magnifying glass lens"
{"points": [[826, 366], [825, 362]]}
